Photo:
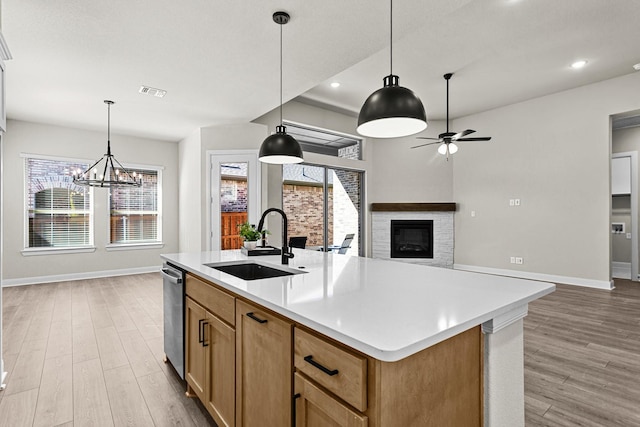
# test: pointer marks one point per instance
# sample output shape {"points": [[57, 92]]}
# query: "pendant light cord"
{"points": [[281, 75], [108, 128], [391, 38]]}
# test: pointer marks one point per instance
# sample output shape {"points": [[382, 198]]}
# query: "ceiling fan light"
{"points": [[453, 148], [280, 148], [442, 149], [391, 112]]}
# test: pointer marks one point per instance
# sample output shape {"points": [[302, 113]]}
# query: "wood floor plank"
{"points": [[90, 399], [128, 407], [165, 409], [60, 341], [17, 410], [590, 338], [27, 370], [55, 398], [140, 356], [112, 354]]}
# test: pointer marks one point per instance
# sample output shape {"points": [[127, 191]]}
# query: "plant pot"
{"points": [[250, 245]]}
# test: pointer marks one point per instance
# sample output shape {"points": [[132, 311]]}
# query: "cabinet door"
{"points": [[264, 363], [195, 352], [222, 372], [315, 408]]}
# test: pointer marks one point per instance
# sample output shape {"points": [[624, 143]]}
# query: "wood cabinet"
{"points": [[315, 408], [210, 350], [264, 368], [252, 367]]}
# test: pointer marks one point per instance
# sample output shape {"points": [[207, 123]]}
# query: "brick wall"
{"points": [[233, 195], [303, 205]]}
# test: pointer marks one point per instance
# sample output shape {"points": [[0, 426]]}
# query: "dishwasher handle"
{"points": [[172, 275]]}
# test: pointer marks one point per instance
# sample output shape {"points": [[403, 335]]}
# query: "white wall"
{"points": [[402, 174], [553, 153], [32, 138], [194, 201]]}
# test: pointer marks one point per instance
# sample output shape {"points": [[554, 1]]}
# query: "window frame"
{"points": [[28, 251], [158, 243]]}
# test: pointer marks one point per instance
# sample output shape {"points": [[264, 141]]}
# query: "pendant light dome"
{"points": [[107, 171], [393, 111], [280, 148]]}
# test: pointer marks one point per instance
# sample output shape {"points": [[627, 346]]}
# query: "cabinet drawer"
{"points": [[340, 371], [213, 299], [313, 407]]}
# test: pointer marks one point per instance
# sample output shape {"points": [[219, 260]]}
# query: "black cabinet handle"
{"points": [[295, 415], [309, 359], [200, 338], [204, 344], [257, 319]]}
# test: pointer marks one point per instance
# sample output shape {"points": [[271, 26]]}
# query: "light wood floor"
{"points": [[582, 357], [90, 353]]}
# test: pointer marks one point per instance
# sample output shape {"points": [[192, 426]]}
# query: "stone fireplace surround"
{"points": [[440, 213]]}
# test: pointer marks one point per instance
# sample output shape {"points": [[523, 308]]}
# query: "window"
{"points": [[58, 211], [321, 141], [135, 215]]}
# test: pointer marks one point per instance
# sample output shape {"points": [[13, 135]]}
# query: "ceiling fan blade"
{"points": [[424, 137], [480, 138], [461, 134], [424, 145]]}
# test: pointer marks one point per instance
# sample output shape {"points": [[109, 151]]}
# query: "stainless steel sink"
{"points": [[252, 270]]}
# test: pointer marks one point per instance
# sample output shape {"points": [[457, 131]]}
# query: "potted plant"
{"points": [[249, 234]]}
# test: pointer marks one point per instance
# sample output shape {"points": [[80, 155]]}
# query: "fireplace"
{"points": [[411, 238]]}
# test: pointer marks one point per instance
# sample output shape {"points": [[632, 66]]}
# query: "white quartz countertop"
{"points": [[385, 309]]}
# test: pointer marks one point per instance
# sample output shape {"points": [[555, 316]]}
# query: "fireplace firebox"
{"points": [[411, 238]]}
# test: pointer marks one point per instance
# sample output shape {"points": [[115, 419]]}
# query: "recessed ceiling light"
{"points": [[335, 84], [578, 64], [637, 67]]}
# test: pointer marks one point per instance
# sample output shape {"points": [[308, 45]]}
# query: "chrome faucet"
{"points": [[286, 254]]}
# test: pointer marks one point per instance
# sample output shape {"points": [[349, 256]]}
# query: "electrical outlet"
{"points": [[519, 260], [512, 202], [513, 260], [473, 213], [517, 202], [629, 236]]}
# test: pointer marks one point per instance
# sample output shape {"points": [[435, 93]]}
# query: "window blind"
{"points": [[59, 212], [134, 211]]}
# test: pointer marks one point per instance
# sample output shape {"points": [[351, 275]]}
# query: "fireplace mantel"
{"points": [[413, 207]]}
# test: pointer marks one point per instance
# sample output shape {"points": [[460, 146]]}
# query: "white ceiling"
{"points": [[218, 59]]}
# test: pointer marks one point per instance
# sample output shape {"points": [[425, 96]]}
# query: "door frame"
{"points": [[633, 155], [214, 159]]}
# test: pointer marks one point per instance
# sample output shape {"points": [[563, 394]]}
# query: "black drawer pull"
{"points": [[257, 319], [204, 344], [309, 359], [200, 338]]}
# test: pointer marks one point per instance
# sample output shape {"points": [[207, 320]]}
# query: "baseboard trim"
{"points": [[621, 270], [567, 280], [78, 276]]}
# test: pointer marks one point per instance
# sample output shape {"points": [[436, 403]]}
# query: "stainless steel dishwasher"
{"points": [[173, 303]]}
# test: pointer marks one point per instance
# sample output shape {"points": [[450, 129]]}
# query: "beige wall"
{"points": [[31, 138], [553, 153]]}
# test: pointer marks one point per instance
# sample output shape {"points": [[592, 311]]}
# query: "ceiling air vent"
{"points": [[147, 90]]}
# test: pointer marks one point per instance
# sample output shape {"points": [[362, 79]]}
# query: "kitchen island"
{"points": [[390, 317]]}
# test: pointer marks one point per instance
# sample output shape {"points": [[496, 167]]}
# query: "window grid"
{"points": [[59, 213], [134, 211]]}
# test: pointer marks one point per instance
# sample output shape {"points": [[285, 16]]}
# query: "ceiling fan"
{"points": [[447, 139]]}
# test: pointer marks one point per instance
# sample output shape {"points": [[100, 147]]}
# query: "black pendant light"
{"points": [[280, 148], [107, 171], [393, 111]]}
